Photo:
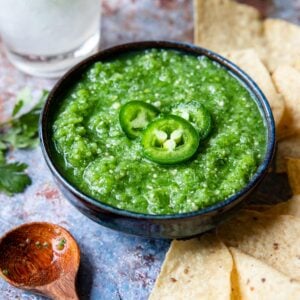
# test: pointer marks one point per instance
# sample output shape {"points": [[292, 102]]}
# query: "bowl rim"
{"points": [[191, 49]]}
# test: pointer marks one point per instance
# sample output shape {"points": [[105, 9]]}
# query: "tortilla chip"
{"points": [[249, 61], [199, 268], [287, 148], [235, 288], [287, 81], [224, 25], [257, 280], [290, 207], [283, 42], [293, 169], [296, 64], [275, 241]]}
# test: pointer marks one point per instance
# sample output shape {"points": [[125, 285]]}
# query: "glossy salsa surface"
{"points": [[96, 156]]}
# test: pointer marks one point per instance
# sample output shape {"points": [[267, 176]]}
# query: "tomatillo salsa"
{"points": [[158, 132]]}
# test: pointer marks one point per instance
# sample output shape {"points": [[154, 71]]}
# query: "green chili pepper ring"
{"points": [[170, 140], [135, 116], [197, 114]]}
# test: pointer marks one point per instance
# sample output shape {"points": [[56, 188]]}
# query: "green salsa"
{"points": [[96, 155]]}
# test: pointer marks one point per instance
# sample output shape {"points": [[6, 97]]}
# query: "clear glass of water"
{"points": [[46, 37]]}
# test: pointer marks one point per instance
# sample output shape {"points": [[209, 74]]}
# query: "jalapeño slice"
{"points": [[135, 116], [170, 140], [197, 114]]}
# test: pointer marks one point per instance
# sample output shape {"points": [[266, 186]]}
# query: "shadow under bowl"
{"points": [[154, 226]]}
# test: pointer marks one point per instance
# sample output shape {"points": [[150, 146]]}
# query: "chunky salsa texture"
{"points": [[96, 156]]}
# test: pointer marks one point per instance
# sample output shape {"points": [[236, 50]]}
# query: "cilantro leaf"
{"points": [[17, 107], [23, 131], [13, 179], [3, 148], [23, 97]]}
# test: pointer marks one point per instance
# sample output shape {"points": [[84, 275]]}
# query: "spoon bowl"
{"points": [[40, 257]]}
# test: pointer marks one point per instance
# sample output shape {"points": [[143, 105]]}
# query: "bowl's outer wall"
{"points": [[174, 226], [161, 228]]}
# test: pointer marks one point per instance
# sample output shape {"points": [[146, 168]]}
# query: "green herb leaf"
{"points": [[23, 97], [23, 131], [13, 179], [3, 148], [19, 132], [61, 244], [17, 107]]}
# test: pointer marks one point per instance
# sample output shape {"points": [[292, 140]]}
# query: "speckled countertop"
{"points": [[114, 265]]}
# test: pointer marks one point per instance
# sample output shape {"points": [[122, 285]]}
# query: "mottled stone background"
{"points": [[114, 265]]}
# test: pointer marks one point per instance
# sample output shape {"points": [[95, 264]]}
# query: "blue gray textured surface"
{"points": [[114, 265]]}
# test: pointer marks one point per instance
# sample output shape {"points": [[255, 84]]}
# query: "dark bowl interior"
{"points": [[156, 226]]}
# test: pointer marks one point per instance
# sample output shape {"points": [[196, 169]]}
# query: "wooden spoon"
{"points": [[42, 258]]}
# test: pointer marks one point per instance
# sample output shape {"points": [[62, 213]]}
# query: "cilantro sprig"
{"points": [[13, 179], [19, 132]]}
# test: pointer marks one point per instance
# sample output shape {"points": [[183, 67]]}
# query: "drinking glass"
{"points": [[46, 37]]}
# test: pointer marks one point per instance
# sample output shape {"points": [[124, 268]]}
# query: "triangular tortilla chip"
{"points": [[287, 81], [224, 25], [290, 207], [274, 240], [249, 61], [283, 43], [199, 268], [287, 148], [257, 280]]}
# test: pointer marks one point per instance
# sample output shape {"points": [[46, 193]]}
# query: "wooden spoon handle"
{"points": [[64, 288], [66, 295]]}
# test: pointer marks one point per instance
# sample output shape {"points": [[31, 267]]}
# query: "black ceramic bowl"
{"points": [[154, 226]]}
